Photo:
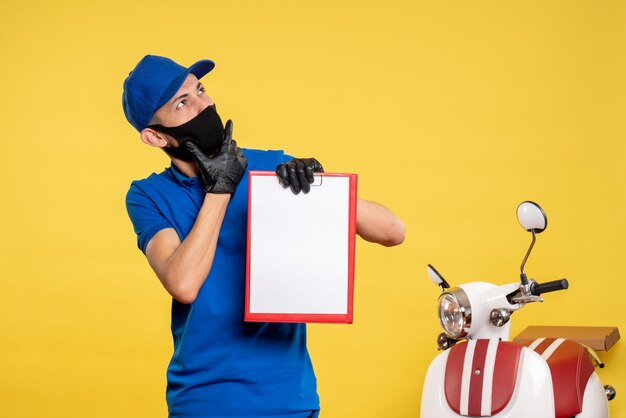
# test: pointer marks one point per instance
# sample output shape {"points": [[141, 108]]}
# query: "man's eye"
{"points": [[180, 104], [200, 90]]}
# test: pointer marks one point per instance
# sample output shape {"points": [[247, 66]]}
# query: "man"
{"points": [[191, 223]]}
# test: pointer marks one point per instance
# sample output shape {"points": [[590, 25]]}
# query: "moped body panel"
{"points": [[481, 376], [532, 396], [483, 298], [595, 404]]}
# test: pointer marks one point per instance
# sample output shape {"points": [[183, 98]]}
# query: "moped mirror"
{"points": [[532, 217], [534, 220], [437, 278]]}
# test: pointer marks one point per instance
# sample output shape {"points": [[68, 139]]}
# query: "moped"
{"points": [[480, 373]]}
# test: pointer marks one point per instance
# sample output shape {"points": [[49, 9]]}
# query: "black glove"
{"points": [[298, 173], [220, 173]]}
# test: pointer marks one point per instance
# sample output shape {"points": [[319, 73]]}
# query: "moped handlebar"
{"points": [[537, 289]]}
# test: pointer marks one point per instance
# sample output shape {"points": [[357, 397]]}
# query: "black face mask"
{"points": [[205, 130]]}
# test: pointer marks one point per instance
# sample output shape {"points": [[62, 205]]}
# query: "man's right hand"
{"points": [[222, 172]]}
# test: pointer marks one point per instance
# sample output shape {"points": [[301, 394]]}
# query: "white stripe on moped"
{"points": [[552, 348], [490, 363], [467, 376], [536, 343]]}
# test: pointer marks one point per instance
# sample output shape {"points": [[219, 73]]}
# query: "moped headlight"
{"points": [[455, 313]]}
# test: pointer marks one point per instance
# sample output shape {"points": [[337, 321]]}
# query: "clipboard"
{"points": [[300, 251]]}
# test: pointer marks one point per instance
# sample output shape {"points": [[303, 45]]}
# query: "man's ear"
{"points": [[153, 138]]}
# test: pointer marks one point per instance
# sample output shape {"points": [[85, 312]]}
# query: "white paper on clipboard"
{"points": [[301, 250]]}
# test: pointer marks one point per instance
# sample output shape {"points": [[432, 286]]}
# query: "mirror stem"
{"points": [[532, 244]]}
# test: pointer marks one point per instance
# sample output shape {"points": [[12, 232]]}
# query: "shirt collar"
{"points": [[181, 178]]}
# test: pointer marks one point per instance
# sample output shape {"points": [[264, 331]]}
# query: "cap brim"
{"points": [[199, 69]]}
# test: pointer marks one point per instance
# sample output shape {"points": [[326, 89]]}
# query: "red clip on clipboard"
{"points": [[300, 258]]}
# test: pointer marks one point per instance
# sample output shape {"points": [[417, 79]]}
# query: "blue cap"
{"points": [[152, 83]]}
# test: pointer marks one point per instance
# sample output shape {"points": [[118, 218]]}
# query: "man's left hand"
{"points": [[298, 173]]}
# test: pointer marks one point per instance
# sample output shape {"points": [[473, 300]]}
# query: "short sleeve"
{"points": [[146, 218]]}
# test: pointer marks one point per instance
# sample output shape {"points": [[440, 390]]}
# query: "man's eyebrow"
{"points": [[182, 96]]}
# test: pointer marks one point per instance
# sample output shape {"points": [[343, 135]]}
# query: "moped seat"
{"points": [[570, 368]]}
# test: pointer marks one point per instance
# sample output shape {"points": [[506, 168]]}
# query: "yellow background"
{"points": [[452, 112]]}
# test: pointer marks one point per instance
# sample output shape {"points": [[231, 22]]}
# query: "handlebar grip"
{"points": [[537, 289]]}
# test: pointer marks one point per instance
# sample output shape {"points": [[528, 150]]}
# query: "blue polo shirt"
{"points": [[223, 367]]}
